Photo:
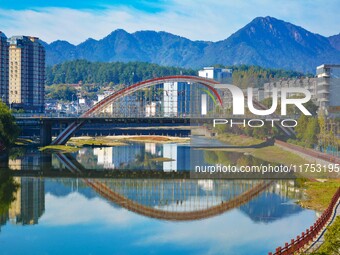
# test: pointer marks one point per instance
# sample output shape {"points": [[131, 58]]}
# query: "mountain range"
{"points": [[265, 41]]}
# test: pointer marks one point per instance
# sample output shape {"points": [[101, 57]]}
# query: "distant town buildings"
{"points": [[324, 88], [26, 73], [3, 68], [328, 89], [307, 83]]}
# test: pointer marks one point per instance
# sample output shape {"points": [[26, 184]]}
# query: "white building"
{"points": [[109, 109], [170, 151], [170, 97], [104, 157], [328, 89], [218, 74], [150, 109]]}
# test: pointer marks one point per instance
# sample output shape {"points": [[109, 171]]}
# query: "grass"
{"points": [[331, 245], [22, 141], [272, 154], [160, 159], [96, 141], [319, 194], [238, 140], [58, 148], [155, 139], [278, 155], [120, 140]]}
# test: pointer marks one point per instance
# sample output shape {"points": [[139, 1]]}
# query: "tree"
{"points": [[9, 131], [7, 189], [61, 92]]}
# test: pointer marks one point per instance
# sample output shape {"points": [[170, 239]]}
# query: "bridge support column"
{"points": [[45, 133], [46, 161]]}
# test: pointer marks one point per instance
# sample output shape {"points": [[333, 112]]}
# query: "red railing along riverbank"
{"points": [[296, 244]]}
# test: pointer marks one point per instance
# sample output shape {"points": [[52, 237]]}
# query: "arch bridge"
{"points": [[176, 97]]}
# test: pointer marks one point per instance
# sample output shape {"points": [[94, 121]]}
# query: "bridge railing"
{"points": [[296, 244], [46, 115], [143, 115]]}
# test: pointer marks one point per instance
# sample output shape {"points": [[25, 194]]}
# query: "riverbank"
{"points": [[271, 153], [58, 149], [319, 193], [238, 140], [122, 140]]}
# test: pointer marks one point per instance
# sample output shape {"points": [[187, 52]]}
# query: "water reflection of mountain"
{"points": [[64, 187], [281, 196], [260, 210]]}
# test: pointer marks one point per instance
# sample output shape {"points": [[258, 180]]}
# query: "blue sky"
{"points": [[77, 20]]}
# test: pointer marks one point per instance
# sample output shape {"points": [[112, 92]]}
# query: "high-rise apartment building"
{"points": [[3, 68], [26, 73], [328, 89]]}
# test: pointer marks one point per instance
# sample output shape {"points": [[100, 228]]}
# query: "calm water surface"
{"points": [[76, 216]]}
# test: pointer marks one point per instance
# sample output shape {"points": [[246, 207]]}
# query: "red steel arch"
{"points": [[209, 83]]}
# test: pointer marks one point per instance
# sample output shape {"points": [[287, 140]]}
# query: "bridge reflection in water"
{"points": [[73, 204], [176, 199], [163, 199]]}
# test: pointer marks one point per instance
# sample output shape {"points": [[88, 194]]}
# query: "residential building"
{"points": [[307, 83], [3, 68], [29, 203], [176, 99], [328, 89], [26, 73]]}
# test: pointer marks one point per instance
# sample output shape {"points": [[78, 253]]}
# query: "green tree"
{"points": [[61, 92], [7, 189], [9, 131]]}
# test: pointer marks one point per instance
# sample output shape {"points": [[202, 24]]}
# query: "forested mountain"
{"points": [[117, 73], [87, 72], [265, 41]]}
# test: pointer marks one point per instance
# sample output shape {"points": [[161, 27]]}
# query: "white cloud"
{"points": [[225, 235], [195, 19], [80, 210]]}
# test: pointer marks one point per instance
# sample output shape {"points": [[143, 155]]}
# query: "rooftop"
{"points": [[328, 66]]}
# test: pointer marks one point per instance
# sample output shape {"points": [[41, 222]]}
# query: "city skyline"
{"points": [[79, 20]]}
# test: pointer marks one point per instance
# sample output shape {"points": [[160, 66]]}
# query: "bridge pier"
{"points": [[45, 161], [45, 133]]}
